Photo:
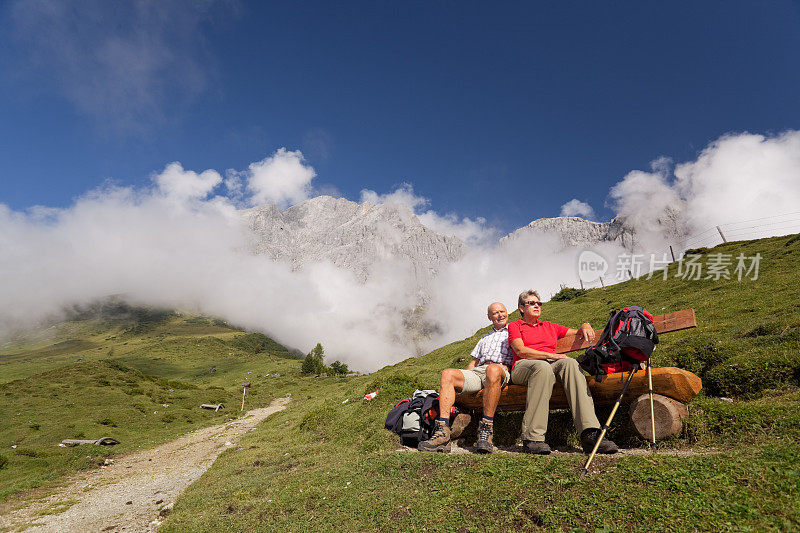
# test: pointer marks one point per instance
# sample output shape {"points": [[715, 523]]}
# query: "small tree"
{"points": [[313, 362], [338, 368]]}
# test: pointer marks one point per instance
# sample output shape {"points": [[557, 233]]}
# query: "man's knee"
{"points": [[568, 366], [571, 363], [450, 376], [494, 374]]}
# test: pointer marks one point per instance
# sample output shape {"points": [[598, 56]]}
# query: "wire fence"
{"points": [[756, 228]]}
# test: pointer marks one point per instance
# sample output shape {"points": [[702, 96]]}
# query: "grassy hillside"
{"points": [[328, 464], [134, 374]]}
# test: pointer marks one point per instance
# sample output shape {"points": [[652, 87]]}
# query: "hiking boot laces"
{"points": [[485, 431], [439, 440]]}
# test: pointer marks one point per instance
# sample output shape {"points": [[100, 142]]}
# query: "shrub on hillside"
{"points": [[567, 293], [3, 461], [338, 368]]}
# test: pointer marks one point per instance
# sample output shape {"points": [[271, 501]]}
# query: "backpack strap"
{"points": [[426, 425]]}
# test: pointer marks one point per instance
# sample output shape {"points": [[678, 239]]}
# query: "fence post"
{"points": [[672, 252], [721, 235]]}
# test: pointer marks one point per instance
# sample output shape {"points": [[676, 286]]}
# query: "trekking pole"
{"points": [[652, 411], [605, 426]]}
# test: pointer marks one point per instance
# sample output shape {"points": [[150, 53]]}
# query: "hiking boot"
{"points": [[439, 441], [459, 424], [589, 438], [538, 447], [485, 430]]}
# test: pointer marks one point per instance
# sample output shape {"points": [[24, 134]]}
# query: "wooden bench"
{"points": [[673, 386]]}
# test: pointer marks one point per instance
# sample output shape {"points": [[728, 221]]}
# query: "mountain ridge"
{"points": [[351, 235], [357, 236]]}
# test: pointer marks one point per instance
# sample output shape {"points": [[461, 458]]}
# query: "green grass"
{"points": [[326, 463], [323, 462], [140, 382]]}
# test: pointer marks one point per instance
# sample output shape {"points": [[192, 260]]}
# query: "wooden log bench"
{"points": [[673, 387]]}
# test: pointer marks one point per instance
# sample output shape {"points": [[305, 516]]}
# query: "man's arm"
{"points": [[476, 354], [529, 353]]}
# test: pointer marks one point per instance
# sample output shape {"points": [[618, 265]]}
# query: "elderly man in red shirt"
{"points": [[537, 365]]}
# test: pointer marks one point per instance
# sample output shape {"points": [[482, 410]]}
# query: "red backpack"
{"points": [[627, 341]]}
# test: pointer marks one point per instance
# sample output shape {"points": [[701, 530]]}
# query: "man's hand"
{"points": [[586, 332]]}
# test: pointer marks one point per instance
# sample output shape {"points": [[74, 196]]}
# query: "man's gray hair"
{"points": [[524, 296]]}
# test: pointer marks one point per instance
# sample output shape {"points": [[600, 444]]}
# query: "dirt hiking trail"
{"points": [[133, 492]]}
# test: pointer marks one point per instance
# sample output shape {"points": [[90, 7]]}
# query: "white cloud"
{"points": [[233, 184], [735, 179], [576, 208], [183, 185], [134, 243], [177, 245], [647, 202], [742, 177], [403, 195], [473, 232], [283, 179]]}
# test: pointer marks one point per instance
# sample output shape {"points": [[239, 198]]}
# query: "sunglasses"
{"points": [[532, 304]]}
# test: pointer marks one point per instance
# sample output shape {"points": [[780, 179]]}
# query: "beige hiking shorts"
{"points": [[475, 378]]}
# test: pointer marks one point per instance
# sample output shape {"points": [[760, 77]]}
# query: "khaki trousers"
{"points": [[540, 376]]}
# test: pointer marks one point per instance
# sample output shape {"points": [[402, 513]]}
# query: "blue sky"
{"points": [[503, 111]]}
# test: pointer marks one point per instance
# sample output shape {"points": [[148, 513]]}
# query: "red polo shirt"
{"points": [[541, 336]]}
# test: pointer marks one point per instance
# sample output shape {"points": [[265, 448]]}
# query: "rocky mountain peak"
{"points": [[351, 235], [575, 231]]}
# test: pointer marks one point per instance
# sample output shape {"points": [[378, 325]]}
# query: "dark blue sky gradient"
{"points": [[505, 111]]}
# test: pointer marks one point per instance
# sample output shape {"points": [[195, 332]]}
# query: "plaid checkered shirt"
{"points": [[493, 348]]}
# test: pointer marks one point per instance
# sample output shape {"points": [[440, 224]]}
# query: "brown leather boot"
{"points": [[536, 447], [485, 432], [439, 441], [589, 438]]}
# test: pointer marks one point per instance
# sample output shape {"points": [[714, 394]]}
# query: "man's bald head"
{"points": [[498, 314]]}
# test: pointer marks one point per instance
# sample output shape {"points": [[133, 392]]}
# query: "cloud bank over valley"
{"points": [[182, 242]]}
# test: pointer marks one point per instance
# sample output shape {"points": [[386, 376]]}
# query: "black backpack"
{"points": [[627, 341], [414, 418]]}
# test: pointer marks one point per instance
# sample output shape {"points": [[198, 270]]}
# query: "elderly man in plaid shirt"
{"points": [[488, 370]]}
